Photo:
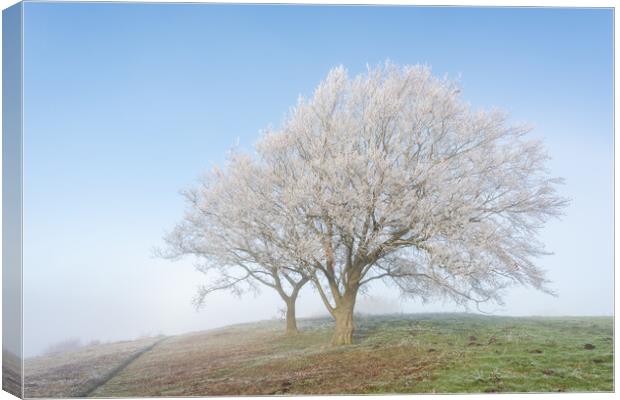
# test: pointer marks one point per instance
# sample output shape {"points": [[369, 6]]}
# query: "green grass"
{"points": [[422, 353], [507, 354]]}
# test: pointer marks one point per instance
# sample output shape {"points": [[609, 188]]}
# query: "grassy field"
{"points": [[77, 373], [422, 353]]}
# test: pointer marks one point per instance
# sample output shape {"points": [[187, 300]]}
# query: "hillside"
{"points": [[420, 353]]}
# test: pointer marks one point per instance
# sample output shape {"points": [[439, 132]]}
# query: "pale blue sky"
{"points": [[125, 104]]}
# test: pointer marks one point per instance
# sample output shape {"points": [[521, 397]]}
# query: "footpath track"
{"points": [[102, 380]]}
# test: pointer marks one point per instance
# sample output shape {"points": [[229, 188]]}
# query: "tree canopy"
{"points": [[388, 175]]}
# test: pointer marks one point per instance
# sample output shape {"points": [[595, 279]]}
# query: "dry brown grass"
{"points": [[74, 373], [260, 361], [392, 354]]}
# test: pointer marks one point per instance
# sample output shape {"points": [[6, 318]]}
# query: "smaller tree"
{"points": [[235, 238]]}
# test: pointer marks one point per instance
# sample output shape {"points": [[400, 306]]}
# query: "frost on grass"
{"points": [[72, 373]]}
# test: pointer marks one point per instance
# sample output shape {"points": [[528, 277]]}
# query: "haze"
{"points": [[126, 104]]}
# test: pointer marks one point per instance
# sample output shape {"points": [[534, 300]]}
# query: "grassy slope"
{"points": [[444, 353], [75, 373]]}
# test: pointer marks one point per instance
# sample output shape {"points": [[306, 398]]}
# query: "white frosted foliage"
{"points": [[387, 175]]}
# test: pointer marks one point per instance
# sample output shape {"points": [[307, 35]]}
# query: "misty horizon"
{"points": [[144, 106]]}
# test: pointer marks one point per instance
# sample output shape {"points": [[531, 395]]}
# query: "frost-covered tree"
{"points": [[390, 175], [235, 237]]}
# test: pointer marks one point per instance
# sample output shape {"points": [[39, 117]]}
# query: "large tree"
{"points": [[391, 175], [235, 237]]}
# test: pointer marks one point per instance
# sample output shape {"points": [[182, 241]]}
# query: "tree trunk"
{"points": [[343, 315], [291, 321]]}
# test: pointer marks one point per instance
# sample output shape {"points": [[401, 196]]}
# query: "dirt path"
{"points": [[95, 384]]}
